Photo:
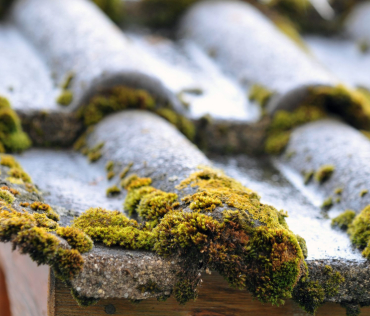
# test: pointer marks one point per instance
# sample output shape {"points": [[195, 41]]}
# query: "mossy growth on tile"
{"points": [[283, 123], [324, 173], [113, 191], [364, 192], [83, 301], [308, 176], [303, 245], [45, 209], [121, 98], [6, 196], [126, 170], [310, 295], [114, 9], [12, 137], [109, 166], [94, 154], [110, 175], [76, 238], [352, 105], [113, 228], [327, 204], [343, 220], [359, 231], [134, 197], [261, 95], [65, 98]]}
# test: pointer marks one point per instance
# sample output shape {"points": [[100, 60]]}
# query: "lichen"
{"points": [[324, 173], [12, 137], [343, 220], [283, 123], [76, 238], [65, 98]]}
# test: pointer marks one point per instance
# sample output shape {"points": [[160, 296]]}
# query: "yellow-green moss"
{"points": [[94, 154], [18, 173], [338, 191], [114, 190], [202, 201], [327, 204], [65, 98], [110, 175], [260, 94], [284, 122], [125, 170], [363, 46], [343, 220], [134, 197], [324, 173], [303, 245], [114, 9], [12, 137], [113, 228], [6, 196], [67, 81], [109, 166], [364, 192], [153, 206], [76, 238], [308, 175], [46, 209], [358, 230]]}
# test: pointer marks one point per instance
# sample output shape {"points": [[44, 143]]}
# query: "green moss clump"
{"points": [[68, 80], [116, 99], [94, 154], [284, 122], [114, 190], [303, 245], [327, 204], [46, 209], [9, 161], [110, 175], [76, 238], [134, 197], [125, 171], [358, 230], [310, 295], [155, 205], [65, 98], [308, 175], [43, 221], [114, 9], [364, 192], [202, 201], [109, 166], [338, 191], [113, 228], [12, 137], [6, 196], [260, 94], [18, 173], [324, 173], [150, 286], [67, 263], [137, 183]]}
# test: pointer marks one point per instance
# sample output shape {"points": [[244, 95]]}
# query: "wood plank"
{"points": [[215, 299], [26, 282], [4, 299]]}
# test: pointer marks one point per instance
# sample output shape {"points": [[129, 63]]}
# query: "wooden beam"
{"points": [[4, 299], [215, 299]]}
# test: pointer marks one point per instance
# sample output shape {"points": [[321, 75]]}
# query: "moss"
{"points": [[308, 175], [283, 122], [351, 105], [82, 300], [260, 94], [352, 309], [363, 46], [110, 175], [10, 190], [67, 81], [134, 197], [76, 238], [364, 192], [114, 190], [137, 183], [43, 221], [18, 173], [46, 209], [114, 9], [94, 154], [338, 191], [9, 161], [358, 230], [327, 204], [113, 228], [185, 291], [125, 170], [303, 245], [150, 286], [153, 206], [128, 179], [324, 173], [109, 166], [67, 263], [65, 98], [6, 196], [12, 137], [310, 295], [202, 201]]}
